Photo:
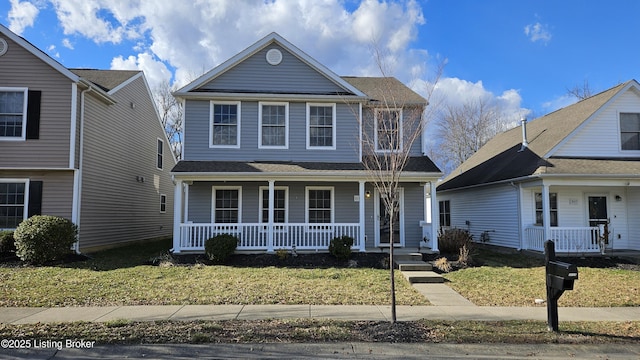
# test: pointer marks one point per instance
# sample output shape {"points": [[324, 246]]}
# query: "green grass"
{"points": [[116, 277], [517, 280]]}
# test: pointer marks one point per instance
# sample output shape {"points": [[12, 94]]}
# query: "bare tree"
{"points": [[581, 92], [391, 123], [171, 115], [464, 129]]}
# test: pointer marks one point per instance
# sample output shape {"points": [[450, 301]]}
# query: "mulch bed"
{"points": [[310, 261]]}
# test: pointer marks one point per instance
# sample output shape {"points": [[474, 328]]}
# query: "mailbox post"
{"points": [[559, 277]]}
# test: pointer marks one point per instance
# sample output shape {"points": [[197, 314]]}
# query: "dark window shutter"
{"points": [[33, 114], [35, 198]]}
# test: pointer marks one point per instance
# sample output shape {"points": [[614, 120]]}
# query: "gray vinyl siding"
{"points": [[411, 118], [493, 208], [197, 130], [119, 146], [254, 74], [20, 68], [57, 189]]}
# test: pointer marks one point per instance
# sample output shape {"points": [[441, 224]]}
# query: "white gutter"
{"points": [[297, 176], [267, 96], [77, 174]]}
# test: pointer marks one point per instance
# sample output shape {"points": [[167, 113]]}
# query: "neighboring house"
{"points": [[273, 155], [86, 145], [574, 177]]}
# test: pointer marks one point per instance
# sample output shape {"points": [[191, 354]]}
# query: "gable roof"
{"points": [[503, 158], [377, 88], [107, 80], [259, 45]]}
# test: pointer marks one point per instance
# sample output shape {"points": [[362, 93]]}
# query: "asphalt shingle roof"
{"points": [[501, 158], [105, 79], [380, 88]]}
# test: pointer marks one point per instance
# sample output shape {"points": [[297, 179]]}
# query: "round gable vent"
{"points": [[3, 46], [274, 56]]}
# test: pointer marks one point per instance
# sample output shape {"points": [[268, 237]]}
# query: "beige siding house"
{"points": [[86, 145]]}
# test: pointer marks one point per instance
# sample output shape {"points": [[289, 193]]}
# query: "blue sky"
{"points": [[522, 55]]}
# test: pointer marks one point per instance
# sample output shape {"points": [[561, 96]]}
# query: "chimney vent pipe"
{"points": [[523, 124]]}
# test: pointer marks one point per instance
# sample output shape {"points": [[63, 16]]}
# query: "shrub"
{"points": [[443, 265], [282, 254], [464, 257], [452, 240], [7, 243], [340, 247], [220, 247], [43, 238]]}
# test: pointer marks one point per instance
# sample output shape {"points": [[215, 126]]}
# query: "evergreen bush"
{"points": [[220, 247], [340, 247], [43, 238]]}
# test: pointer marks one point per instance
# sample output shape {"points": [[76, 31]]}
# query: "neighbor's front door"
{"points": [[383, 221], [598, 213]]}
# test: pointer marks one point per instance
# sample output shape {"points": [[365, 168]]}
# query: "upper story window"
{"points": [[630, 131], [321, 126], [13, 113], [160, 158], [225, 124], [388, 129], [12, 204], [553, 209], [273, 127]]}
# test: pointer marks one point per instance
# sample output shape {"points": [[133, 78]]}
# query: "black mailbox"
{"points": [[561, 275]]}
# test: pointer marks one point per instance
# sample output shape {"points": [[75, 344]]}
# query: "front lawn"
{"points": [[118, 277]]}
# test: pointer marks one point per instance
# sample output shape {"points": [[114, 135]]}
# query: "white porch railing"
{"points": [[566, 239], [255, 236]]}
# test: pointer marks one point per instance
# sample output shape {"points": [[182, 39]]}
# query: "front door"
{"points": [[598, 214], [383, 222]]}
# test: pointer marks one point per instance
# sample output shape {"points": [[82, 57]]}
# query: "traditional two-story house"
{"points": [[571, 176], [86, 145], [273, 150]]}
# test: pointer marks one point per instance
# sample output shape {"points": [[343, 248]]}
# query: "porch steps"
{"points": [[415, 270]]}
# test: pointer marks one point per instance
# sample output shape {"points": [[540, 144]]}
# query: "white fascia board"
{"points": [[267, 97], [347, 176]]}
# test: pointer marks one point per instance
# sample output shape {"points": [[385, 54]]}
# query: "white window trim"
{"points": [[212, 103], [163, 196], [400, 125], [286, 125], [23, 137], [157, 153], [26, 182], [286, 202], [306, 203], [619, 127], [333, 134], [213, 201]]}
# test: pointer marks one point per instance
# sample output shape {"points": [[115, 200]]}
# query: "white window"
{"points": [[227, 204], [159, 159], [319, 205], [225, 124], [630, 131], [553, 209], [273, 125], [280, 204], [445, 213], [321, 126], [13, 203], [13, 113], [163, 203], [388, 129]]}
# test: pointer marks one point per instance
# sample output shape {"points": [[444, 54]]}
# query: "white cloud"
{"points": [[21, 15], [538, 32], [154, 70], [67, 43], [559, 103]]}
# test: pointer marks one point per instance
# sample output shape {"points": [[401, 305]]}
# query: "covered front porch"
{"points": [[581, 216], [300, 214]]}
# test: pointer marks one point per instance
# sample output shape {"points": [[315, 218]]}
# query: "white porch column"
{"points": [[187, 185], [362, 216], [546, 217], [270, 221], [177, 215], [435, 216]]}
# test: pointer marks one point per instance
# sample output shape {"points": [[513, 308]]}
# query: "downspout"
{"points": [[78, 178]]}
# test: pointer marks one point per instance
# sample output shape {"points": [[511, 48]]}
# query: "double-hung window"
{"points": [[321, 126], [225, 124], [319, 204], [13, 204], [159, 159], [445, 213], [553, 209], [630, 131], [13, 113], [280, 204], [388, 129], [227, 205], [163, 203], [273, 129]]}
